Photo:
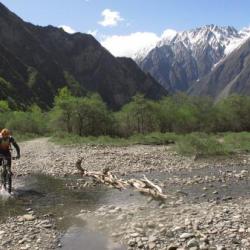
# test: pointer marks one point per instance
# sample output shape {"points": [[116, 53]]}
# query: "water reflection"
{"points": [[78, 238], [46, 194]]}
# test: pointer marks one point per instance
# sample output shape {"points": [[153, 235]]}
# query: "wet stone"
{"points": [[186, 235]]}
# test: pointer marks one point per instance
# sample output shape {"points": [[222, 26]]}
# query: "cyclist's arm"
{"points": [[17, 148]]}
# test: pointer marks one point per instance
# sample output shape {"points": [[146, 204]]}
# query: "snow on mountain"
{"points": [[180, 58], [167, 35], [235, 43], [226, 37], [142, 53]]}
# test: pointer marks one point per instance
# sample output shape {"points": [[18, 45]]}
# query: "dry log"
{"points": [[151, 184], [137, 183], [144, 186]]}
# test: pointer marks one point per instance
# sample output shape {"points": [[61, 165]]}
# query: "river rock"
{"points": [[28, 217], [131, 242], [193, 243], [151, 245], [186, 235], [172, 247], [152, 238]]}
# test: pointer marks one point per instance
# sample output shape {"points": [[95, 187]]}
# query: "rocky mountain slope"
{"points": [[231, 75], [180, 59], [37, 61]]}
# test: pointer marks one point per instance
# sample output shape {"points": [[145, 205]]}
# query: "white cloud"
{"points": [[92, 32], [67, 29], [129, 45], [169, 34], [110, 18]]}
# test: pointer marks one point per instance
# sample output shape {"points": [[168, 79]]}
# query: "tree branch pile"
{"points": [[106, 177]]}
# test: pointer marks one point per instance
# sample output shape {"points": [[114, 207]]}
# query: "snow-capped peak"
{"points": [[226, 38], [209, 34], [142, 53], [169, 34], [235, 43]]}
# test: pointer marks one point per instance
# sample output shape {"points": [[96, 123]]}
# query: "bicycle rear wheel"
{"points": [[9, 181], [4, 176]]}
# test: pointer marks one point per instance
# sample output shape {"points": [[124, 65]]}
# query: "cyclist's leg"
{"points": [[1, 169], [4, 176], [9, 178], [8, 172], [2, 173]]}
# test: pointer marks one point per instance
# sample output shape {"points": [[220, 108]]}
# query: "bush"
{"points": [[201, 144], [32, 122], [155, 138], [238, 141]]}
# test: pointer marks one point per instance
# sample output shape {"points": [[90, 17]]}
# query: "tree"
{"points": [[4, 106], [92, 117], [62, 114], [138, 116], [233, 114]]}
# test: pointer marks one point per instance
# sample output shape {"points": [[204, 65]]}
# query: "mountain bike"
{"points": [[6, 174]]}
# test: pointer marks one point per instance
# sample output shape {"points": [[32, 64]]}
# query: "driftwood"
{"points": [[104, 177], [144, 186]]}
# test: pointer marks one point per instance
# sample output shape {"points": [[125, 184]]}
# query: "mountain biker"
{"points": [[6, 140]]}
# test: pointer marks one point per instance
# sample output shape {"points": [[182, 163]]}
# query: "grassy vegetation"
{"points": [[200, 144], [203, 145], [181, 120], [25, 137], [238, 142], [149, 139], [190, 144], [71, 139]]}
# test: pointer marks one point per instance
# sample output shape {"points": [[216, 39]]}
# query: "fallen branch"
{"points": [[144, 186], [104, 177], [151, 184]]}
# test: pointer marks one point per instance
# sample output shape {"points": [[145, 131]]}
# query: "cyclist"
{"points": [[6, 140]]}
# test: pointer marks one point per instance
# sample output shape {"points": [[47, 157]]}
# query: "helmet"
{"points": [[5, 132]]}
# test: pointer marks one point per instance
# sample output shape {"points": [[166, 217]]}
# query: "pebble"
{"points": [[27, 217], [192, 243], [186, 235]]}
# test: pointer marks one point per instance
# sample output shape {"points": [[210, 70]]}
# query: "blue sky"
{"points": [[107, 18]]}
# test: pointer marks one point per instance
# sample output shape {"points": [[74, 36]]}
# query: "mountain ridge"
{"points": [[44, 59], [230, 76], [181, 58]]}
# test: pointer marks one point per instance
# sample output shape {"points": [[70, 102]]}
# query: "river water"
{"points": [[45, 194]]}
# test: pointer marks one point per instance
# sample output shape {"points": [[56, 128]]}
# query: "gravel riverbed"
{"points": [[208, 204]]}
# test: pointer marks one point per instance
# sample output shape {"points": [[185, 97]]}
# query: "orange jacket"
{"points": [[5, 144]]}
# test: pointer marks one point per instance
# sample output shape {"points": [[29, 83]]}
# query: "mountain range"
{"points": [[36, 61], [192, 61]]}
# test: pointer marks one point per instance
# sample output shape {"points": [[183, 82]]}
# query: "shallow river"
{"points": [[44, 194]]}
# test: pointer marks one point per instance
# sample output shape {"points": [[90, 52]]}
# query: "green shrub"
{"points": [[201, 144], [238, 141], [32, 121], [156, 138]]}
